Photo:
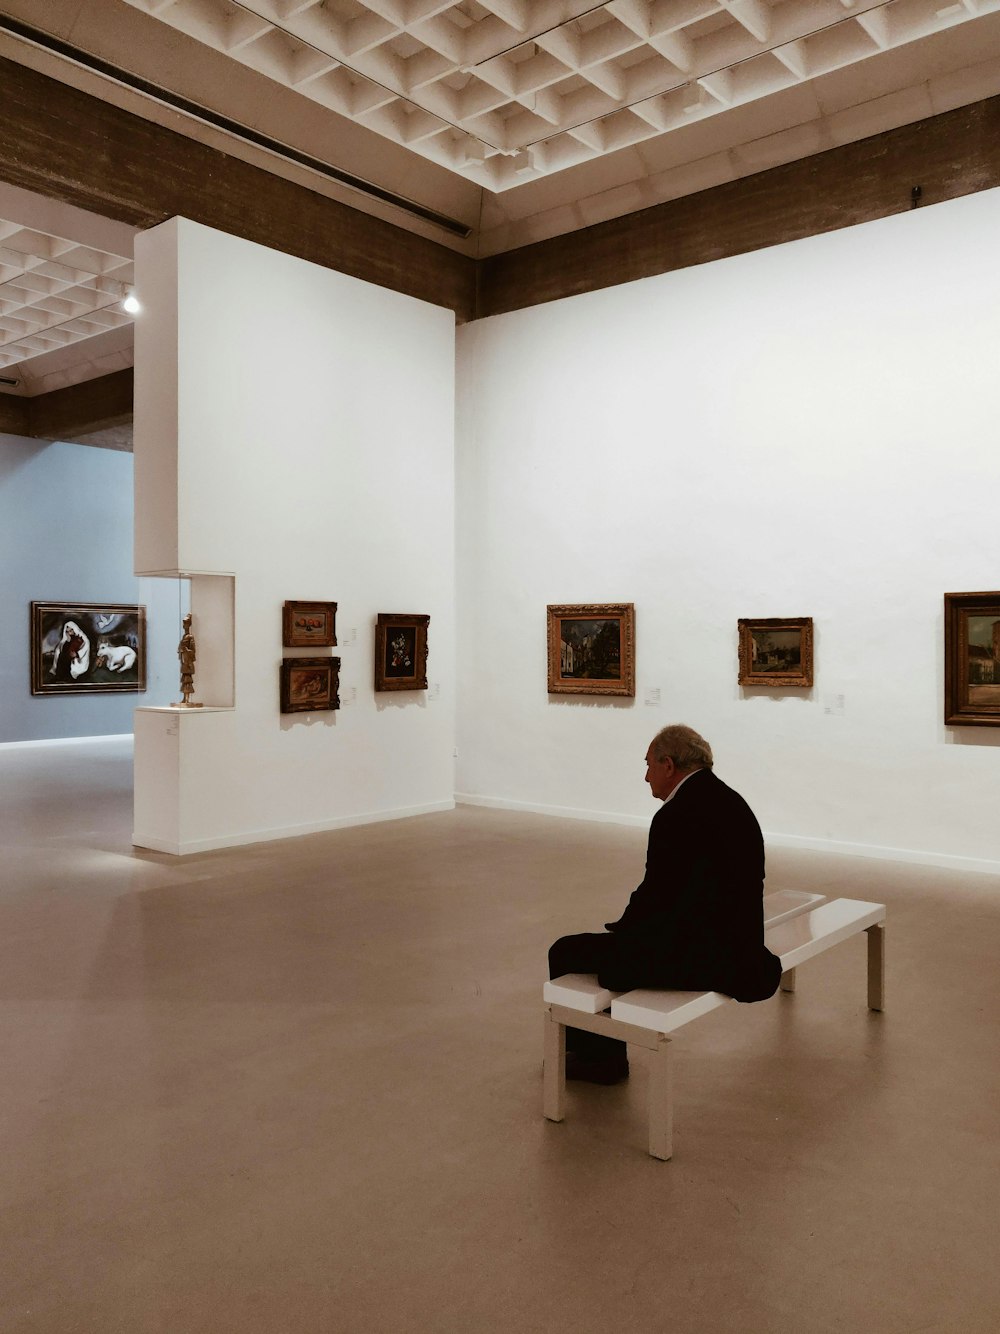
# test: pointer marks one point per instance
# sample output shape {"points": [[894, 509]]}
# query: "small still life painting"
{"points": [[776, 651], [309, 624], [87, 648], [591, 648], [972, 659], [401, 651], [309, 684]]}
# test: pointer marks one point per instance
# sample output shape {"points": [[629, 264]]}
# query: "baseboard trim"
{"points": [[153, 843], [559, 812], [915, 857], [66, 740]]}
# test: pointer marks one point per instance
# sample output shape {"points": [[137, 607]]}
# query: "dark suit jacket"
{"points": [[696, 923]]}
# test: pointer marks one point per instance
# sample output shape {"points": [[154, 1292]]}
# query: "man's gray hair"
{"points": [[683, 745]]}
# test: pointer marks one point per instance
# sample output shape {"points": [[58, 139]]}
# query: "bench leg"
{"points": [[876, 967], [661, 1102], [554, 1072], [788, 980]]}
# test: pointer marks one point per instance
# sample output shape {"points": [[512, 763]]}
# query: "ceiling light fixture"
{"points": [[131, 302]]}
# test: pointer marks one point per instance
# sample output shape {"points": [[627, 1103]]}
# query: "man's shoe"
{"points": [[595, 1071]]}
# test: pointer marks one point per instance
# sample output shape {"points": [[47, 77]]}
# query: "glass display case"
{"points": [[209, 598]]}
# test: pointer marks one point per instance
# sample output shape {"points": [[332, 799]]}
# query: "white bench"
{"points": [[797, 928]]}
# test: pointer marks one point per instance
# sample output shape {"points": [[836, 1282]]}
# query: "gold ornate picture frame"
{"points": [[776, 651], [309, 624], [591, 648], [309, 685]]}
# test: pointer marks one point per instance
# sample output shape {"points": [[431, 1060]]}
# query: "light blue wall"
{"points": [[65, 534]]}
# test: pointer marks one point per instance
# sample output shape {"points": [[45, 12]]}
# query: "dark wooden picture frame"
{"points": [[776, 651], [591, 648], [309, 685], [87, 648], [972, 659], [309, 624], [401, 651]]}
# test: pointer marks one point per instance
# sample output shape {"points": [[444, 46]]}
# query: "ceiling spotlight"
{"points": [[131, 303]]}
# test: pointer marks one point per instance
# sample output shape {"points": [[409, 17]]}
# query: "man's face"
{"points": [[661, 775]]}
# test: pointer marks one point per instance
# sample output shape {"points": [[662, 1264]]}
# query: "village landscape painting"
{"points": [[591, 648]]}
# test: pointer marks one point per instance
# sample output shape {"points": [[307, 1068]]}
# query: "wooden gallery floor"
{"points": [[296, 1088]]}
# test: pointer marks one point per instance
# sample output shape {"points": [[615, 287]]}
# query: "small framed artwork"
{"points": [[309, 624], [309, 684], [972, 659], [591, 648], [87, 648], [401, 651], [776, 651]]}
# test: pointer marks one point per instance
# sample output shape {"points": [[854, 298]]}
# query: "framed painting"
{"points": [[776, 651], [309, 624], [87, 648], [591, 648], [401, 651], [972, 659], [309, 684]]}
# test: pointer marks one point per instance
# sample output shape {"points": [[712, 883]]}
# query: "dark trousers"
{"points": [[587, 953]]}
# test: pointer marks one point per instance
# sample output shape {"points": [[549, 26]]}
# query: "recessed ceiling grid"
{"points": [[54, 292], [505, 91]]}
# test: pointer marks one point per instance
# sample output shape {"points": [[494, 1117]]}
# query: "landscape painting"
{"points": [[591, 648], [983, 661], [972, 659], [86, 648], [776, 651]]}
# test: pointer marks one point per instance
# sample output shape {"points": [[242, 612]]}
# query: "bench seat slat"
{"points": [[786, 903], [579, 991], [804, 937], [664, 1011]]}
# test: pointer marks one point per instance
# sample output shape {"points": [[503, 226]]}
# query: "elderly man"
{"points": [[696, 922]]}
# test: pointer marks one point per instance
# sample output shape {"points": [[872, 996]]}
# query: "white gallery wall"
{"points": [[809, 430], [294, 428]]}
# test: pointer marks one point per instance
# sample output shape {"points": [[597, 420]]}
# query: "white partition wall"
{"points": [[295, 429], [806, 430]]}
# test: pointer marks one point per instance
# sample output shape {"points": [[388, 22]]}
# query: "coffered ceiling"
{"points": [[505, 91], [54, 295], [483, 125], [516, 120]]}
